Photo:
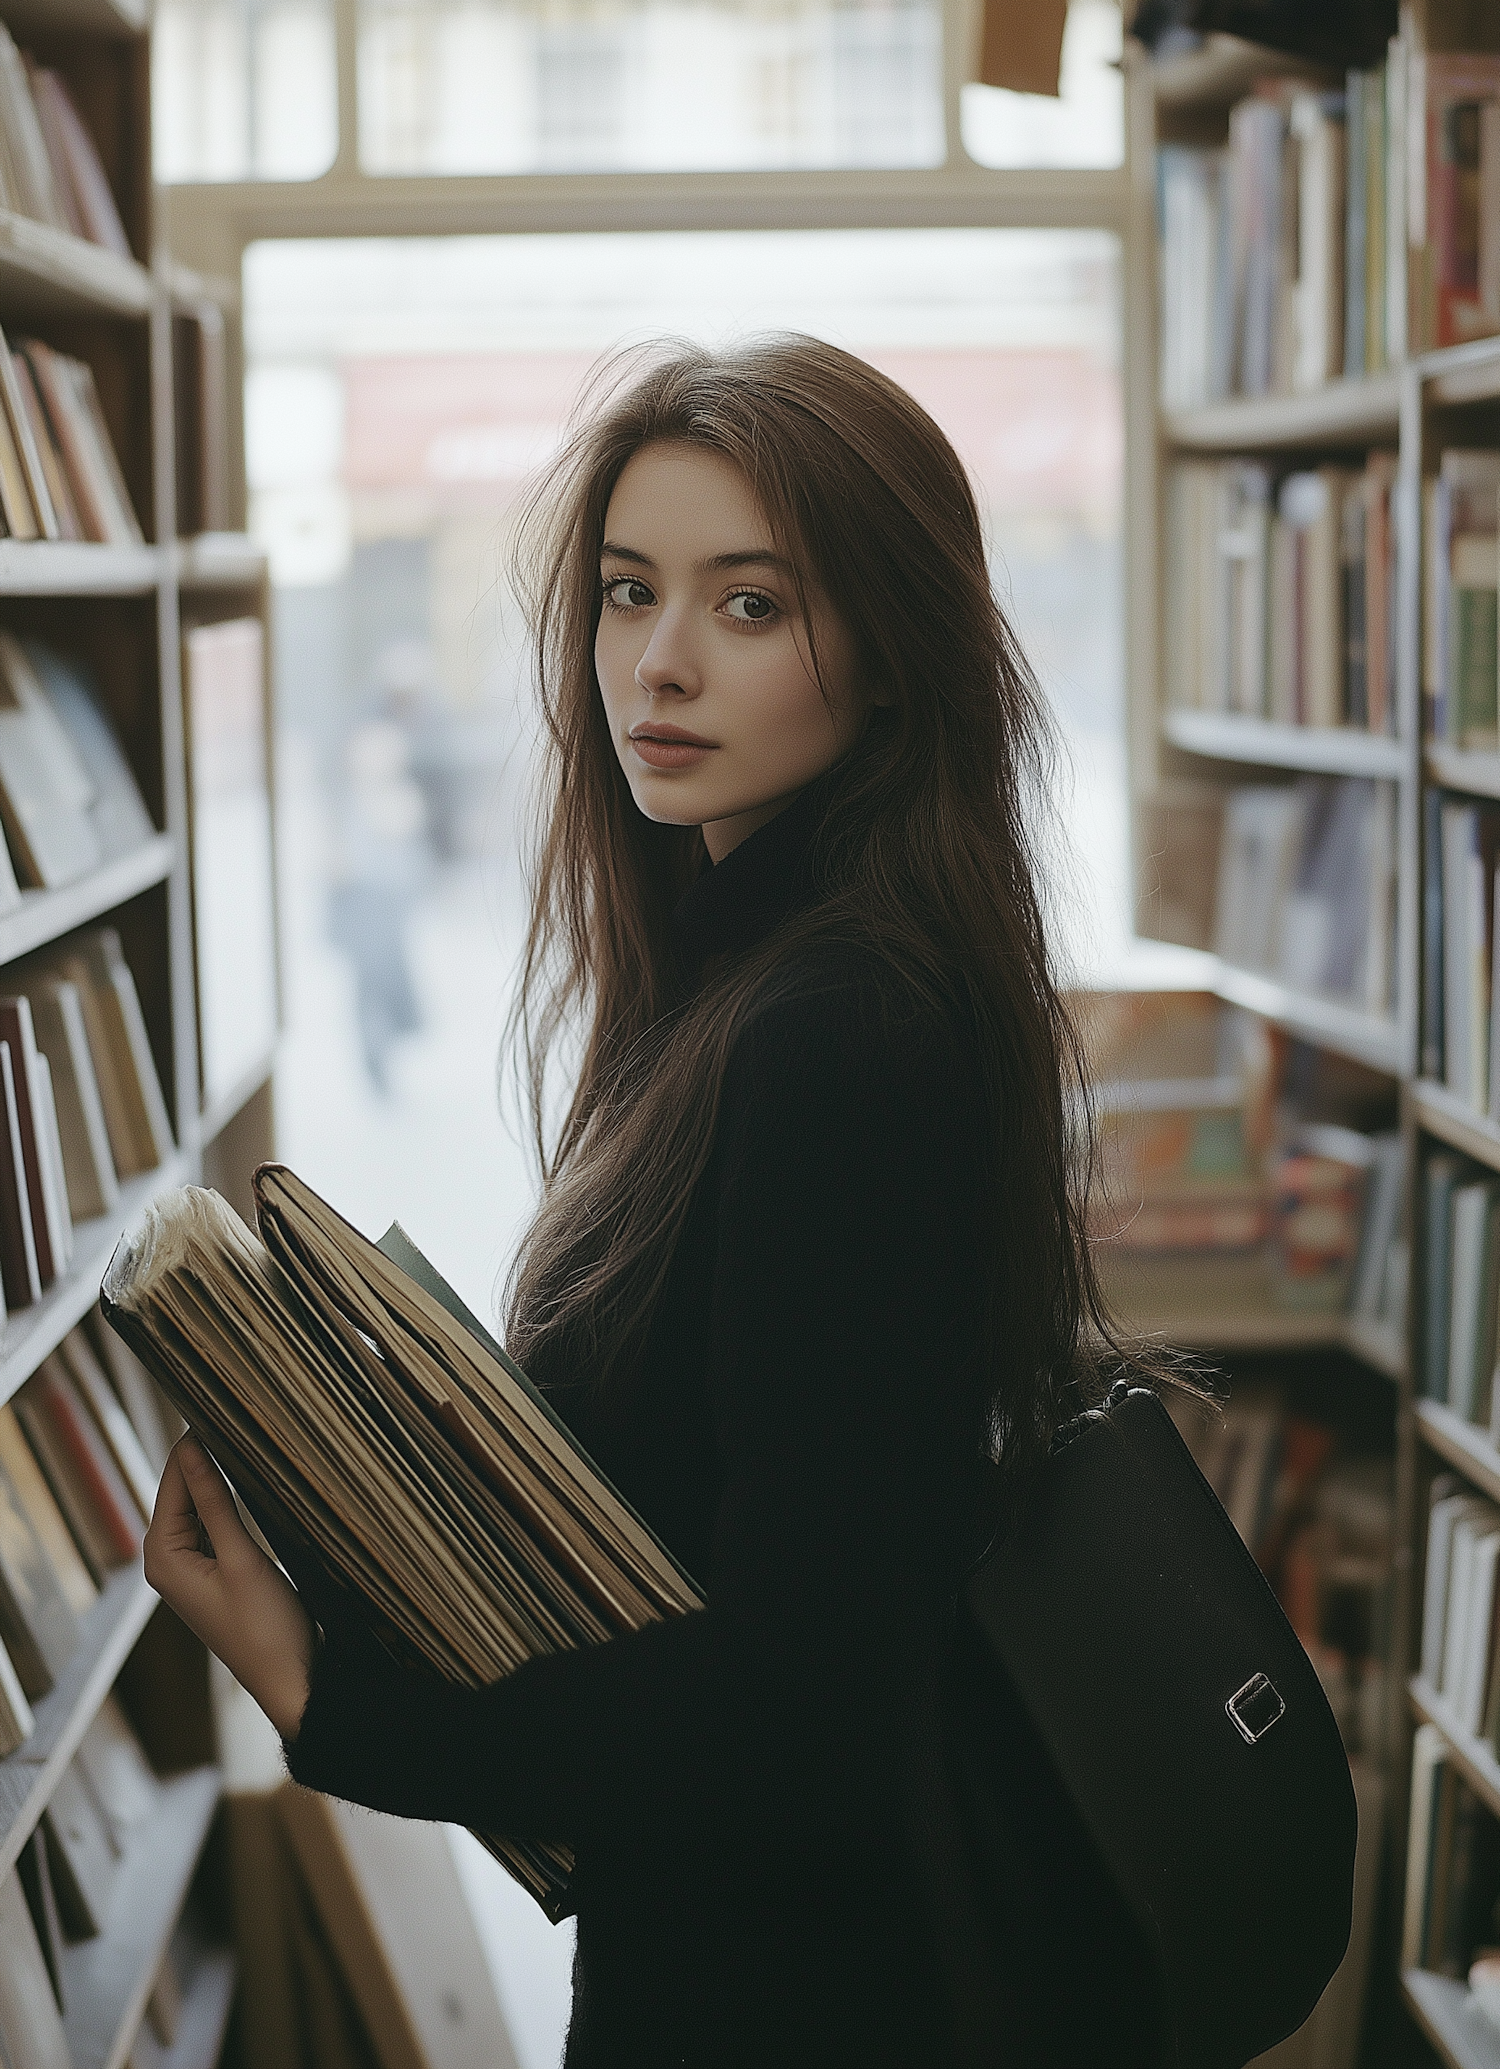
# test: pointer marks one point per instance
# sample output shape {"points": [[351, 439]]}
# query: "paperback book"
{"points": [[403, 1468]]}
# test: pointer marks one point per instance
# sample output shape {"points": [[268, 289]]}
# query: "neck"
{"points": [[722, 836]]}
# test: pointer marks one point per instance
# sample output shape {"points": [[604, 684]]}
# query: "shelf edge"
{"points": [[33, 1332], [134, 1606], [1317, 750], [45, 916], [1475, 1760]]}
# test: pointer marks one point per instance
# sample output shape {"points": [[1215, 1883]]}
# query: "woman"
{"points": [[808, 1259]]}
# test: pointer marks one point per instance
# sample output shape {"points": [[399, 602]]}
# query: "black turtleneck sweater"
{"points": [[783, 1855]]}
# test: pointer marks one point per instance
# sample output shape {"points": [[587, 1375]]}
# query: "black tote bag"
{"points": [[1186, 1722]]}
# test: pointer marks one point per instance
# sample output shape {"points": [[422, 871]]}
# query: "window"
{"points": [[491, 86], [243, 89]]}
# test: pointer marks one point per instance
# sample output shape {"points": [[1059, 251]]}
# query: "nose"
{"points": [[669, 666]]}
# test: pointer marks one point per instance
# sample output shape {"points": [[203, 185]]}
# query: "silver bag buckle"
{"points": [[1255, 1708]]}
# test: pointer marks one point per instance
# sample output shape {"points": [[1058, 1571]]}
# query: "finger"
{"points": [[209, 1493], [174, 1520]]}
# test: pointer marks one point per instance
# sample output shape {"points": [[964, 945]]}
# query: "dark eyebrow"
{"points": [[719, 564]]}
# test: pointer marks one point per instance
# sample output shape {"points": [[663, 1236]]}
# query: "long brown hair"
{"points": [[926, 853]]}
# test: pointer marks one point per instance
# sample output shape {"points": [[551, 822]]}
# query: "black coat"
{"points": [[779, 1859]]}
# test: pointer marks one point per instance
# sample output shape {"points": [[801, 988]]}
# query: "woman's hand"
{"points": [[241, 1605]]}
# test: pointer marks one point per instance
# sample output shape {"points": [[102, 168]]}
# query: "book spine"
{"points": [[101, 1479]]}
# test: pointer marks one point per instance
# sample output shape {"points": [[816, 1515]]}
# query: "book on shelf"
{"points": [[1456, 223], [1306, 886], [107, 1794], [1452, 1866], [93, 1189], [234, 895], [81, 184], [1336, 233], [35, 1871], [45, 790], [41, 1151], [1281, 592], [69, 800], [79, 1101], [1284, 254], [116, 808], [114, 1424], [38, 1625], [480, 1538], [75, 423], [16, 1720], [124, 1071], [31, 2027], [1322, 1218], [108, 1520], [50, 167], [36, 1498], [1463, 887], [1201, 1154], [155, 1422], [60, 477], [1462, 1278], [1461, 576], [81, 1854]]}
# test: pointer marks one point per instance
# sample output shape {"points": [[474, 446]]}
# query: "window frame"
{"points": [[207, 226]]}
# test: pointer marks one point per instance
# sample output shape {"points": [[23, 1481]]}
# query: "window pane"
{"points": [[491, 86], [1084, 126], [243, 89]]}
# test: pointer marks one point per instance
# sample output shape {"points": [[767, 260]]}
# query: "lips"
{"points": [[669, 747]]}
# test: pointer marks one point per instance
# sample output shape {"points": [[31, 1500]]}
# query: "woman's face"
{"points": [[703, 656]]}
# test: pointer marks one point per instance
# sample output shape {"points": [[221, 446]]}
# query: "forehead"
{"points": [[682, 500]]}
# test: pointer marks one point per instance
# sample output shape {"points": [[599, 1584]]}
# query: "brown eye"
{"points": [[750, 607], [626, 593]]}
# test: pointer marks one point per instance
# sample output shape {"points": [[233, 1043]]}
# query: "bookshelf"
{"points": [[1413, 408], [1343, 413], [1319, 750], [122, 609], [1442, 2010]]}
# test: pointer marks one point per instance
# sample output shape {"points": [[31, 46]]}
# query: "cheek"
{"points": [[614, 663]]}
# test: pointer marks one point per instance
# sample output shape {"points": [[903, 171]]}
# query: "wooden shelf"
{"points": [[106, 1981], [222, 1111], [1378, 1344], [60, 567], [1454, 1121], [1345, 413], [1463, 373], [206, 2004], [1225, 1303], [45, 916], [47, 272], [115, 19], [1321, 750], [1474, 1759], [1221, 71], [1462, 1444], [29, 1776], [1455, 768], [1445, 2013], [1368, 1037], [219, 560], [34, 1331]]}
